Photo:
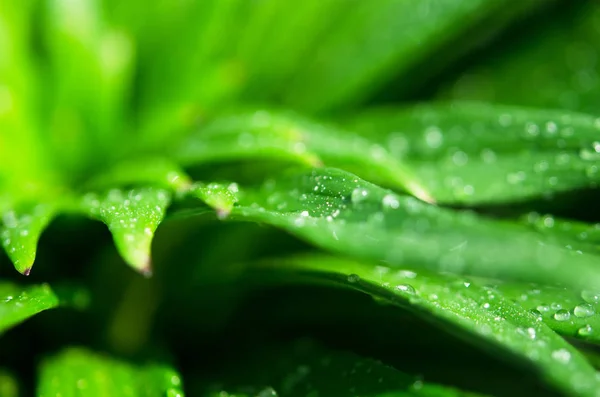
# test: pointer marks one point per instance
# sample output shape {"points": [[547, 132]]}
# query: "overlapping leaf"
{"points": [[552, 65], [339, 212], [79, 372], [479, 311], [477, 153]]}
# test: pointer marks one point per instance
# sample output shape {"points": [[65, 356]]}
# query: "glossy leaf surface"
{"points": [[132, 217], [337, 211]]}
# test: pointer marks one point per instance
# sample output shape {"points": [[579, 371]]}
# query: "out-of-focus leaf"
{"points": [[483, 312], [76, 372], [372, 41], [18, 303], [8, 384], [146, 171], [575, 235], [337, 211], [90, 70], [553, 64], [285, 136], [132, 217], [305, 369], [21, 231], [476, 153]]}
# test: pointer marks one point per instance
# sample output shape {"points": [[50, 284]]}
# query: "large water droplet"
{"points": [[405, 288], [562, 315], [390, 201], [584, 310], [586, 330]]}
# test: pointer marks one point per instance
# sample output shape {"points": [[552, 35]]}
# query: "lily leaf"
{"points": [[477, 153], [132, 217], [76, 371], [482, 312], [306, 369], [337, 211]]}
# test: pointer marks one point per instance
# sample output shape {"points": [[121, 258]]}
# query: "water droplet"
{"points": [[536, 314], [408, 289], [555, 306], [390, 201], [460, 158], [543, 308], [561, 355], [562, 315], [585, 330], [433, 137], [358, 195], [584, 310], [353, 278], [590, 296]]}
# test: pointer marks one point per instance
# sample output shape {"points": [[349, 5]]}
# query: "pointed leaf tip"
{"points": [[220, 197], [132, 217], [21, 231]]}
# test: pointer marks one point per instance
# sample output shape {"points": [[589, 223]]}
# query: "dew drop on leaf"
{"points": [[562, 315], [353, 278], [586, 330], [584, 310], [590, 296], [561, 355], [405, 288]]}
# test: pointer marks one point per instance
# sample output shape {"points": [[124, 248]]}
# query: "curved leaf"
{"points": [[18, 303], [337, 211], [565, 311], [306, 369], [577, 236], [283, 135], [482, 312], [132, 217], [476, 153], [79, 372]]}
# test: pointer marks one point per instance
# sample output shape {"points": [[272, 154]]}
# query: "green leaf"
{"points": [[18, 303], [132, 217], [570, 313], [553, 65], [338, 212], [218, 196], [20, 232], [371, 42], [476, 153], [480, 312], [577, 236], [286, 136], [75, 372], [306, 369]]}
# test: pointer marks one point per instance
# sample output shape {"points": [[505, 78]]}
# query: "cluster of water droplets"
{"points": [[132, 217]]}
